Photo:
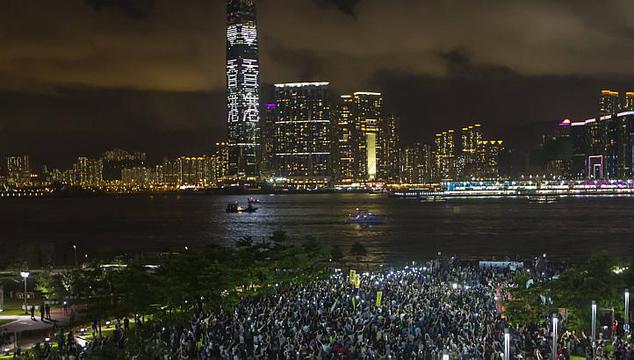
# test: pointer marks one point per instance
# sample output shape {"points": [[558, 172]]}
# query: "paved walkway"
{"points": [[24, 323]]}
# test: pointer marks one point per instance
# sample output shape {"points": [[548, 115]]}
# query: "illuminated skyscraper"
{"points": [[302, 147], [194, 171], [389, 165], [488, 159], [242, 89], [114, 161], [220, 163], [608, 102], [360, 137], [88, 172], [19, 170], [628, 103], [470, 139], [446, 155], [268, 140], [417, 164]]}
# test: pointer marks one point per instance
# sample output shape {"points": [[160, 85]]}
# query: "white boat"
{"points": [[433, 199], [366, 217], [543, 199]]}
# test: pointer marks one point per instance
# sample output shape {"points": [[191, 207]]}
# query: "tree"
{"points": [[245, 241], [49, 285], [358, 251], [336, 254], [279, 236]]}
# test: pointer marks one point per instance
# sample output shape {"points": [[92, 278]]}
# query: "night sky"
{"points": [[80, 76]]}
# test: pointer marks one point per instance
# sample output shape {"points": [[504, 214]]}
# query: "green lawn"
{"points": [[3, 321], [12, 307], [577, 358]]}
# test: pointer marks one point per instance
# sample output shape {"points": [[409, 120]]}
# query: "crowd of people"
{"points": [[432, 311], [422, 312]]}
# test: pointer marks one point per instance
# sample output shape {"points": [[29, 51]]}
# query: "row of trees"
{"points": [[602, 279], [218, 275]]}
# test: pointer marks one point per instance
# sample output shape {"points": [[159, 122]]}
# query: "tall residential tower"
{"points": [[302, 146], [242, 89]]}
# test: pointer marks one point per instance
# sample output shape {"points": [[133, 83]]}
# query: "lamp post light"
{"points": [[25, 275], [554, 349], [627, 311], [594, 327], [75, 251], [507, 345]]}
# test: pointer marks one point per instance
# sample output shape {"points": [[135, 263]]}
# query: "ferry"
{"points": [[365, 217], [433, 199], [252, 200], [543, 199]]}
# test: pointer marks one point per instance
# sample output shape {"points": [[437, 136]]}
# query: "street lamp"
{"points": [[75, 251], [554, 350], [25, 275], [627, 311], [507, 345], [594, 326]]}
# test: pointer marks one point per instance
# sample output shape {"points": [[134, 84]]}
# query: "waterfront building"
{"points": [[389, 166], [243, 97], [88, 172], [139, 177], [114, 161], [628, 102], [488, 159], [445, 159], [602, 147], [302, 146], [417, 164], [609, 102], [267, 132], [18, 171], [194, 171], [220, 164], [168, 173], [467, 164], [366, 140]]}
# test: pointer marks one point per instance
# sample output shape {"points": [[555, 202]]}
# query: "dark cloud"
{"points": [[136, 9], [110, 70], [348, 7]]}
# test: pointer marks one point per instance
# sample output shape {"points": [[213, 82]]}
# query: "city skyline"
{"points": [[169, 112]]}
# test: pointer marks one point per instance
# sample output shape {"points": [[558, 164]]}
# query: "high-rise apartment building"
{"points": [[136, 177], [389, 162], [267, 133], [446, 152], [220, 163], [366, 141], [302, 145], [628, 102], [114, 161], [488, 159], [88, 172], [243, 72], [18, 171], [194, 171], [417, 164], [609, 102], [603, 146]]}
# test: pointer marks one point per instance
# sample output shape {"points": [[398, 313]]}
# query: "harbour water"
{"points": [[39, 229]]}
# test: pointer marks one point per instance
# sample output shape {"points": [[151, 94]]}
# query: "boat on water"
{"points": [[252, 200], [236, 208], [543, 199], [365, 217], [433, 199]]}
